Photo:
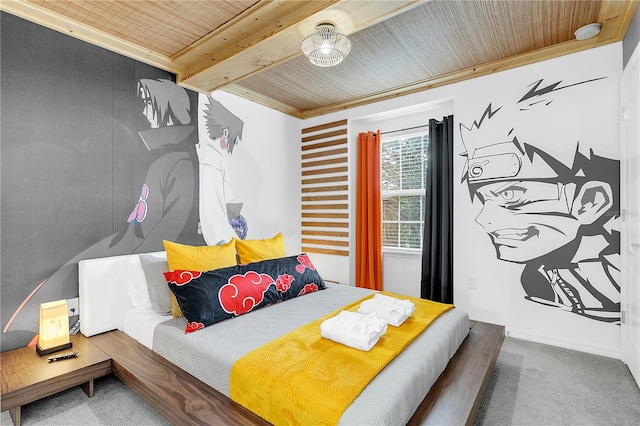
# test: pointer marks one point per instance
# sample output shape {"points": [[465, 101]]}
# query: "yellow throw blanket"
{"points": [[301, 378]]}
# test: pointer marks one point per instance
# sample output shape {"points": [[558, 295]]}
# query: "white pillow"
{"points": [[154, 265], [138, 285]]}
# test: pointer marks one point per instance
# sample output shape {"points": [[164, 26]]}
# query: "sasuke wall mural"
{"points": [[548, 200], [219, 132], [117, 161]]}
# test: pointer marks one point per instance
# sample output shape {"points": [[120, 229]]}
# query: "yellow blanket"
{"points": [[302, 378]]}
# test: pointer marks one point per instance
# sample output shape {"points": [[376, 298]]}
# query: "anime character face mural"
{"points": [[218, 132], [165, 103], [546, 203]]}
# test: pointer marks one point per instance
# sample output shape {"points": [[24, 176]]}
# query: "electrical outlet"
{"points": [[472, 281], [72, 304]]}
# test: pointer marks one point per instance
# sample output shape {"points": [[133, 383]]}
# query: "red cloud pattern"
{"points": [[283, 282], [305, 262], [243, 292], [309, 288], [181, 277], [193, 326]]}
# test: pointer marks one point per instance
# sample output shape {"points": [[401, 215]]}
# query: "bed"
{"points": [[109, 292]]}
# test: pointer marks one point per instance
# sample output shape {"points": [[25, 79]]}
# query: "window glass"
{"points": [[403, 178]]}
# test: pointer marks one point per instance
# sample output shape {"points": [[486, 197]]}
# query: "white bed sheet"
{"points": [[140, 324]]}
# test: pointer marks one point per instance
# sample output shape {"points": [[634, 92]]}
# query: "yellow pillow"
{"points": [[257, 250], [197, 258]]}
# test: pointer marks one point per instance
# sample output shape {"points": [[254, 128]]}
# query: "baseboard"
{"points": [[576, 346]]}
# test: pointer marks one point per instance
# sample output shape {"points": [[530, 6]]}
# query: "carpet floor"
{"points": [[535, 384], [532, 384]]}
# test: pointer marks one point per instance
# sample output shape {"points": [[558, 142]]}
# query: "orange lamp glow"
{"points": [[53, 332]]}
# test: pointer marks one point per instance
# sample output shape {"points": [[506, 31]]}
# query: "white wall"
{"points": [[499, 297]]}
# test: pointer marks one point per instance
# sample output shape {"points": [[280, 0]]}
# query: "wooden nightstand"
{"points": [[27, 377]]}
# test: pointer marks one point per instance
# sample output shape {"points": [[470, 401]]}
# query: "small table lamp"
{"points": [[53, 333]]}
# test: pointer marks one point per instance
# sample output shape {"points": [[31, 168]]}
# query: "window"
{"points": [[404, 162]]}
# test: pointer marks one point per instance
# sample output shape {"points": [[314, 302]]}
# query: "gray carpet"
{"points": [[113, 403], [535, 384], [532, 384]]}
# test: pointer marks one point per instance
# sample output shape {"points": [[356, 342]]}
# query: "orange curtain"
{"points": [[369, 213]]}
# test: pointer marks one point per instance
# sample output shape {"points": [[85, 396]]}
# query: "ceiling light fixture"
{"points": [[326, 46], [587, 31]]}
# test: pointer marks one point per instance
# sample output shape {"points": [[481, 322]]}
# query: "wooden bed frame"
{"points": [[183, 399]]}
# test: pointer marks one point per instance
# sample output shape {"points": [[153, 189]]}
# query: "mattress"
{"points": [[391, 398], [140, 324]]}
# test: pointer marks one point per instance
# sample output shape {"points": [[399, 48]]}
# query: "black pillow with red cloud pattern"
{"points": [[209, 297]]}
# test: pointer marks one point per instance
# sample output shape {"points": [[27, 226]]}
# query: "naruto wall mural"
{"points": [[119, 159], [547, 199]]}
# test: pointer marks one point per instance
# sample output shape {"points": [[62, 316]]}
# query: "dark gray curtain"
{"points": [[437, 244]]}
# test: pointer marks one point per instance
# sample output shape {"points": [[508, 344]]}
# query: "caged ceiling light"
{"points": [[326, 46]]}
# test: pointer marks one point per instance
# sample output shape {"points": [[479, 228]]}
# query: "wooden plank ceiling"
{"points": [[252, 47]]}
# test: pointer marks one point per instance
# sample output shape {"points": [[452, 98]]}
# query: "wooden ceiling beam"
{"points": [[263, 100], [256, 25], [615, 17], [232, 53]]}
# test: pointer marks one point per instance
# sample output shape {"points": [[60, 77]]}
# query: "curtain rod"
{"points": [[402, 130]]}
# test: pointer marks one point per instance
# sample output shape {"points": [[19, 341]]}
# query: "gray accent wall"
{"points": [[631, 39], [72, 165]]}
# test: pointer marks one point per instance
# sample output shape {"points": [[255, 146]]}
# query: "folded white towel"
{"points": [[354, 330], [394, 311], [369, 324]]}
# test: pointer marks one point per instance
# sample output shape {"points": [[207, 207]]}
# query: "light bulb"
{"points": [[325, 47]]}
